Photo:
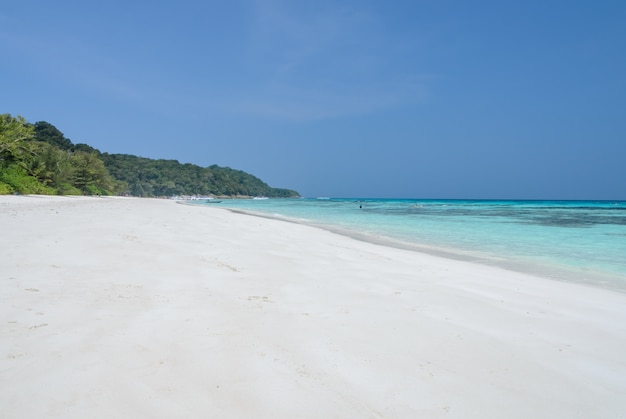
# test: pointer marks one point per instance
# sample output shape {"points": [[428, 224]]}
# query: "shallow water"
{"points": [[582, 241]]}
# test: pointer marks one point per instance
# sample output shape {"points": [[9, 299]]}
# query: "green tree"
{"points": [[15, 179], [15, 149], [89, 174], [14, 135], [40, 159], [59, 172], [48, 133], [86, 148]]}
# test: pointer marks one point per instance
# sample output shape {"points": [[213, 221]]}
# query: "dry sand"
{"points": [[144, 308]]}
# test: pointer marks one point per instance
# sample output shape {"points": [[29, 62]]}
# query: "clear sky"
{"points": [[355, 98]]}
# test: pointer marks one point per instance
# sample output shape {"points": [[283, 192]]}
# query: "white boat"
{"points": [[198, 199]]}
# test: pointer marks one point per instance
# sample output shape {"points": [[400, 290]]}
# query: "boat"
{"points": [[197, 199]]}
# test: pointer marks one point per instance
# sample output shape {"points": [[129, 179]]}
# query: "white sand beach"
{"points": [[144, 308]]}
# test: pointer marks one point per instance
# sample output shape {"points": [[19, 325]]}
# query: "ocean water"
{"points": [[581, 241]]}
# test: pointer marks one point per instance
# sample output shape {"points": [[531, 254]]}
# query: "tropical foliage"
{"points": [[40, 159], [148, 177]]}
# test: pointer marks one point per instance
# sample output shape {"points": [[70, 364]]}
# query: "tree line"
{"points": [[39, 159]]}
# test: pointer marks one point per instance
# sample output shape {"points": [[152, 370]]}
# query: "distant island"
{"points": [[38, 159]]}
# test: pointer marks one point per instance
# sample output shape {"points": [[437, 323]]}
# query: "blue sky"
{"points": [[416, 99]]}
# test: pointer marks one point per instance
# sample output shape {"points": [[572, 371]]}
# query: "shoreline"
{"points": [[547, 271], [126, 307]]}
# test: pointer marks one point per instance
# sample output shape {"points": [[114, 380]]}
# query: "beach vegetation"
{"points": [[39, 159], [150, 177], [90, 175], [21, 182], [5, 188], [14, 135], [48, 133]]}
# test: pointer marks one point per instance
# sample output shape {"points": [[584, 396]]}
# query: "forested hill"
{"points": [[148, 177], [38, 158]]}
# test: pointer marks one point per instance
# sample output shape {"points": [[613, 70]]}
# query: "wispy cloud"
{"points": [[323, 61], [285, 60]]}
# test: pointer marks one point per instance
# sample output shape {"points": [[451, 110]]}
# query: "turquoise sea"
{"points": [[583, 241]]}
